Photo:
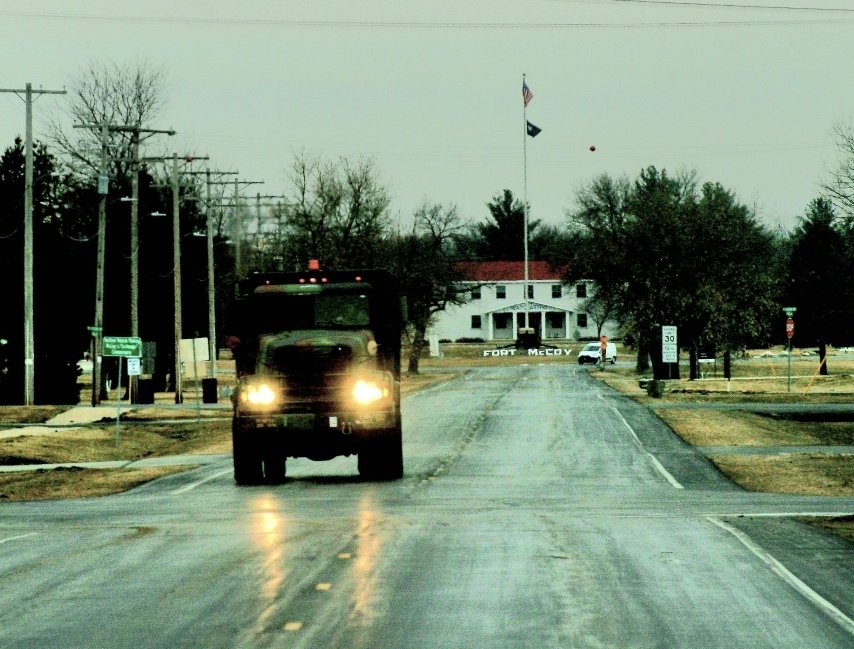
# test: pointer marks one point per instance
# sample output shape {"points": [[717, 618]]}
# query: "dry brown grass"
{"points": [[707, 427], [98, 443], [75, 482], [815, 474], [28, 414]]}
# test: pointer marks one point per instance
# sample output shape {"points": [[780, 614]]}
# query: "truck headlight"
{"points": [[366, 392], [258, 394]]}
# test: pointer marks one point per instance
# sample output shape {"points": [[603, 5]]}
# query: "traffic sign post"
{"points": [[129, 347], [669, 347], [790, 331]]}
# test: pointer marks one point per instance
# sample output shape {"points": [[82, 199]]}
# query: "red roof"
{"points": [[507, 271]]}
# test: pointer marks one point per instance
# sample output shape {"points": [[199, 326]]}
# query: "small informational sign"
{"points": [[194, 349], [669, 345], [121, 346], [134, 366]]}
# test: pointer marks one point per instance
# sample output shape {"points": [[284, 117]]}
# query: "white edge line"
{"points": [[658, 465], [197, 483], [829, 609], [16, 538], [673, 481]]}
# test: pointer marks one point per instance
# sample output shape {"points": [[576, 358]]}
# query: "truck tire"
{"points": [[274, 468], [382, 459], [248, 467]]}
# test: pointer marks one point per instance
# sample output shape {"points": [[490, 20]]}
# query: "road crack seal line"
{"points": [[461, 446], [829, 609]]}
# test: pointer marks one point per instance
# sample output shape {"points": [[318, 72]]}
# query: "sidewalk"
{"points": [[88, 415], [66, 420]]}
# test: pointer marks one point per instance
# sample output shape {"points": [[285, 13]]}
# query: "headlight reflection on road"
{"points": [[268, 534], [369, 542]]}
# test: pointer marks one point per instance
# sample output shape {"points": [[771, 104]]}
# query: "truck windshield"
{"points": [[341, 310], [282, 312]]}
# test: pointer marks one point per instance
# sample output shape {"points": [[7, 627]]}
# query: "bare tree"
{"points": [[840, 187], [111, 93], [424, 260], [338, 212], [601, 310]]}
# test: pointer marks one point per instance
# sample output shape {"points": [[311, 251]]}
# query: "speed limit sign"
{"points": [[669, 345]]}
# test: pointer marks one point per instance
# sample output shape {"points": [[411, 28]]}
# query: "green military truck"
{"points": [[317, 355]]}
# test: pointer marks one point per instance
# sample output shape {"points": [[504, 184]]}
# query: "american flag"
{"points": [[527, 95]]}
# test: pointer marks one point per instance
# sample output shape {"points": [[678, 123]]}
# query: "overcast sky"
{"points": [[431, 90]]}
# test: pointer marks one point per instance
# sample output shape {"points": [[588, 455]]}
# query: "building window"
{"points": [[501, 320], [475, 293], [581, 290], [557, 291], [530, 291], [581, 320], [554, 320], [475, 322], [500, 292]]}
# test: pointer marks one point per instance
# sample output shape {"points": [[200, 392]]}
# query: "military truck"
{"points": [[317, 356]]}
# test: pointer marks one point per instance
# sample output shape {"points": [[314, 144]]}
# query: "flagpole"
{"points": [[525, 197]]}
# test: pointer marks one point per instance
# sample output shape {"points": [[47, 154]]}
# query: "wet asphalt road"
{"points": [[539, 509]]}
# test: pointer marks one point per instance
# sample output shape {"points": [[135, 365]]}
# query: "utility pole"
{"points": [[99, 391], [176, 269], [29, 324], [133, 382], [238, 262], [212, 346], [176, 273], [259, 226], [99, 386]]}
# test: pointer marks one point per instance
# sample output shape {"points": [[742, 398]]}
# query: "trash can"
{"points": [[145, 391], [209, 392]]}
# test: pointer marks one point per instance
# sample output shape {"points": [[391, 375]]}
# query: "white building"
{"points": [[495, 308]]}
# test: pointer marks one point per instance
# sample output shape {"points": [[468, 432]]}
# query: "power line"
{"points": [[371, 24], [729, 5]]}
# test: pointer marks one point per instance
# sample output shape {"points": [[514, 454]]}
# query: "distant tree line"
{"points": [[662, 249]]}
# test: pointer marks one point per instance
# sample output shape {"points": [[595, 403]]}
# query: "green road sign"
{"points": [[789, 310], [121, 346]]}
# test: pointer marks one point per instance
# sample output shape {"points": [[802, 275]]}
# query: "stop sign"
{"points": [[790, 328]]}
